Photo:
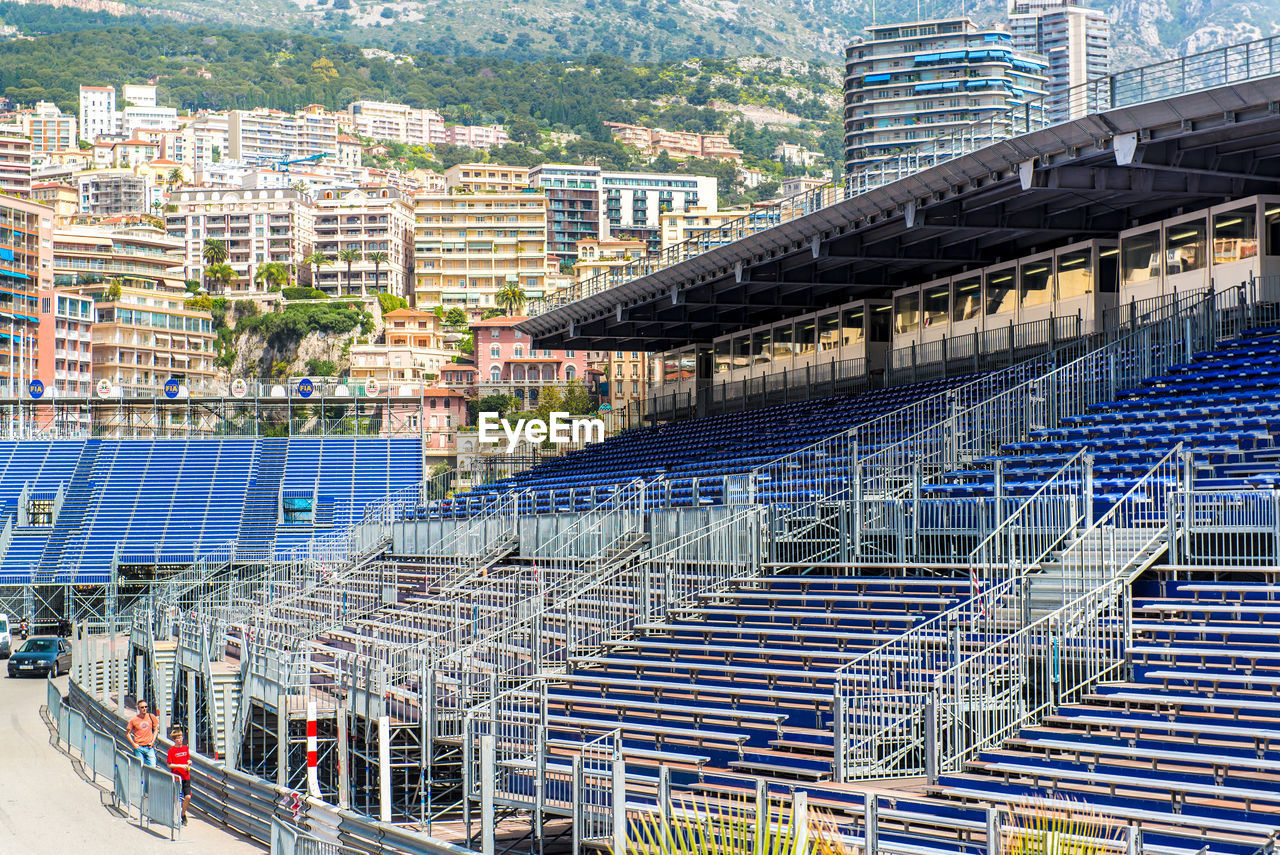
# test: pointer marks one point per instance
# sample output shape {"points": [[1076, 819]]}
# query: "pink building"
{"points": [[508, 364], [477, 136], [443, 412], [65, 342]]}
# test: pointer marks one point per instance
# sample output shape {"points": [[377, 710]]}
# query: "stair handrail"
{"points": [[995, 576], [628, 593], [1006, 416], [896, 711], [625, 515]]}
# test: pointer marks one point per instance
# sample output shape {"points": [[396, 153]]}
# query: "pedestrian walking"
{"points": [[179, 760], [142, 734]]}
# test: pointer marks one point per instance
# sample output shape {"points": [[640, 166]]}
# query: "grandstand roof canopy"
{"points": [[1090, 177]]}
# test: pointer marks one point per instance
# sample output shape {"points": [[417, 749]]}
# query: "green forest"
{"points": [[287, 71]]}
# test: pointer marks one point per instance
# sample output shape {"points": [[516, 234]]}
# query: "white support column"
{"points": [[488, 771], [800, 820], [228, 725], [282, 739], [618, 794], [344, 783], [384, 768]]}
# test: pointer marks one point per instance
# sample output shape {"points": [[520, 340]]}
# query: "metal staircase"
{"points": [[70, 515], [257, 537]]}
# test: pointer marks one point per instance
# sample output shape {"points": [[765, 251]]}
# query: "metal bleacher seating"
{"points": [[173, 499], [1222, 407], [693, 457]]}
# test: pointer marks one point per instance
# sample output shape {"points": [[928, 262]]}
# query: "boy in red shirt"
{"points": [[179, 760]]}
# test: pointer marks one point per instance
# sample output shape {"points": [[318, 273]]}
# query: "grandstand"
{"points": [[959, 493]]}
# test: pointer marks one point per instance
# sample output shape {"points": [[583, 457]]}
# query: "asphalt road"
{"points": [[47, 808]]}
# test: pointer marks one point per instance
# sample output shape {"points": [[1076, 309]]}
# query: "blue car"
{"points": [[41, 657]]}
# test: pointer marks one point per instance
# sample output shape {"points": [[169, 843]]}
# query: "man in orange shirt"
{"points": [[142, 734], [179, 760]]}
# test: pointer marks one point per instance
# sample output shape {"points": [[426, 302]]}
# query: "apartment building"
{"points": [[413, 350], [573, 204], [144, 332], [257, 226], [486, 178], [906, 85], [798, 155], [600, 255], [677, 144], [626, 376], [61, 197], [467, 246], [635, 201], [97, 112], [261, 137], [703, 224], [15, 163], [476, 136], [368, 220], [100, 117], [65, 342], [199, 141], [26, 268], [379, 120], [508, 364], [111, 192], [1077, 43], [49, 129], [794, 185]]}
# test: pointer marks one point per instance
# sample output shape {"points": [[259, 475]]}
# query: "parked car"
{"points": [[6, 642], [41, 657]]}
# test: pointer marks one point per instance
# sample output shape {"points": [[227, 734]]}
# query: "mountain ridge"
{"points": [[1144, 31]]}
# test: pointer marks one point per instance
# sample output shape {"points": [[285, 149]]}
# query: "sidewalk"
{"points": [[46, 807]]}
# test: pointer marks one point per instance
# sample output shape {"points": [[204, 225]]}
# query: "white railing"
{"points": [[1227, 528], [889, 701]]}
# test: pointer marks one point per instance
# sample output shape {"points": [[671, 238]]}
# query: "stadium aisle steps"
{"points": [[75, 504], [257, 536]]}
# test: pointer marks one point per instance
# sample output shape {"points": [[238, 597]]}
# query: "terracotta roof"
{"points": [[500, 321]]}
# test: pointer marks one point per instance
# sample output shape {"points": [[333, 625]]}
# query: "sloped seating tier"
{"points": [[1188, 747], [173, 499], [1224, 406], [695, 456]]}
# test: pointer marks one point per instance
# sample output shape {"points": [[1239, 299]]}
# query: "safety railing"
{"points": [[154, 793], [1217, 67], [241, 803], [889, 701], [1227, 528], [981, 350], [1041, 402], [544, 634], [990, 694], [1040, 523]]}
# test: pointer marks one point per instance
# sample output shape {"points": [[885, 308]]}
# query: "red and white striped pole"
{"points": [[313, 752]]}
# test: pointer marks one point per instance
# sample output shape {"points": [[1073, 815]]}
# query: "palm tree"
{"points": [[348, 256], [220, 274], [175, 176], [214, 252], [511, 297], [378, 259], [272, 274], [316, 260]]}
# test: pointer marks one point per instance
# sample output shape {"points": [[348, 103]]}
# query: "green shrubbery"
{"points": [[301, 292]]}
